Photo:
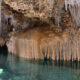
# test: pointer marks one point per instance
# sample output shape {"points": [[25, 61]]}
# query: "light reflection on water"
{"points": [[15, 68]]}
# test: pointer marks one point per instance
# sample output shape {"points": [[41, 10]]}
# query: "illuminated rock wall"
{"points": [[48, 45]]}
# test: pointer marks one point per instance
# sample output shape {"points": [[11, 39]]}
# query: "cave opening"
{"points": [[4, 50]]}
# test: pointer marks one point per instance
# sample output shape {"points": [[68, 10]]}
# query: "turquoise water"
{"points": [[14, 68]]}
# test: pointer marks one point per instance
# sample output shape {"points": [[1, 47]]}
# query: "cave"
{"points": [[4, 50], [40, 40]]}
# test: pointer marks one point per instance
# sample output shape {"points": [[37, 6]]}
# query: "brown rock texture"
{"points": [[51, 11], [32, 8], [40, 29], [43, 9], [41, 43]]}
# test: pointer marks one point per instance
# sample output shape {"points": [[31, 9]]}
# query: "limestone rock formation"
{"points": [[41, 43], [40, 29], [43, 9]]}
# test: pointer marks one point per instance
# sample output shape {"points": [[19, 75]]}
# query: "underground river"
{"points": [[15, 68]]}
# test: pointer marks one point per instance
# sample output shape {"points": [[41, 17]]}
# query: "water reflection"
{"points": [[15, 68], [5, 71]]}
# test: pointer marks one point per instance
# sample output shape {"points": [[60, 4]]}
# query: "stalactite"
{"points": [[55, 53], [58, 51], [62, 52], [50, 52], [0, 18], [56, 12], [54, 57], [74, 7]]}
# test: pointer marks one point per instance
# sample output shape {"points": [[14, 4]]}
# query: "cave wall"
{"points": [[43, 9], [34, 44], [44, 29]]}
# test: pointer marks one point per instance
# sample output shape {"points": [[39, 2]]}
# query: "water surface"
{"points": [[15, 68]]}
